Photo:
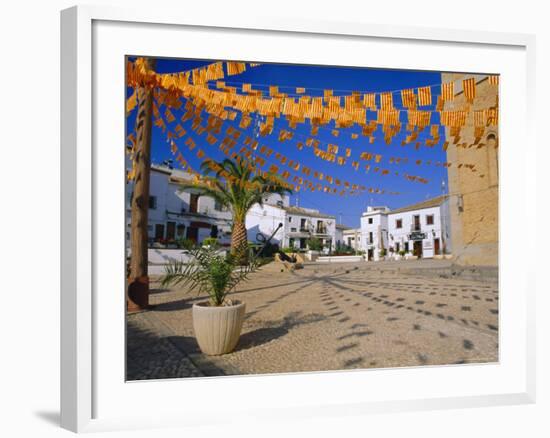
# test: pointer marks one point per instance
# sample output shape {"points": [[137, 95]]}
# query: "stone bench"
{"points": [[340, 259]]}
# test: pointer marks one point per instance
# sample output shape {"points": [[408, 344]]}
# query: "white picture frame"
{"points": [[83, 391]]}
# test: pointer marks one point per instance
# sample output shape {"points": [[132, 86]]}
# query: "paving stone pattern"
{"points": [[325, 317]]}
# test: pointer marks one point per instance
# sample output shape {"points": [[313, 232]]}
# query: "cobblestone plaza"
{"points": [[327, 317]]}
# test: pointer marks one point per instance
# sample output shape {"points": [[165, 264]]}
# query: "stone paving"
{"points": [[326, 317]]}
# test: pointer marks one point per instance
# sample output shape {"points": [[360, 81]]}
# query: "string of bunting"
{"points": [[234, 134], [319, 110], [230, 141], [194, 112], [344, 110]]}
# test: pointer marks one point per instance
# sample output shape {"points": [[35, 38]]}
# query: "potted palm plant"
{"points": [[217, 322]]}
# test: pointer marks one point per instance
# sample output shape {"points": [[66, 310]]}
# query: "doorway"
{"points": [[436, 246], [193, 203], [417, 248], [159, 231], [193, 234], [370, 254], [170, 230]]}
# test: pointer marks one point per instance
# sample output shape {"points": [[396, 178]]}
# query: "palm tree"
{"points": [[235, 185]]}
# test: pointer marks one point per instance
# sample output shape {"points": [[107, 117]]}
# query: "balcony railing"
{"points": [[321, 230]]}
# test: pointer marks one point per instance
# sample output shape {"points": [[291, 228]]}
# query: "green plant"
{"points": [[288, 250], [402, 252], [209, 272], [315, 244], [382, 253], [210, 241], [184, 243]]}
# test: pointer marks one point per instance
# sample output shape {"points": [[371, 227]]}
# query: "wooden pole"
{"points": [[138, 280]]}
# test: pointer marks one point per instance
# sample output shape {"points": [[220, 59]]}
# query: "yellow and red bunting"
{"points": [[448, 91], [221, 102], [456, 119], [408, 98], [369, 101], [425, 96], [235, 68], [469, 87], [386, 101]]}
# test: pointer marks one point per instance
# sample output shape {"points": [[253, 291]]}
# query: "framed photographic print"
{"points": [[253, 208]]}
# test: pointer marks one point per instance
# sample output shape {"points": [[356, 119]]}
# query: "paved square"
{"points": [[326, 317]]}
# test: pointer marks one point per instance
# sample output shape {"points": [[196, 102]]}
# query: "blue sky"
{"points": [[343, 80]]}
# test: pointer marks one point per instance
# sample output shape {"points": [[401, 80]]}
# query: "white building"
{"points": [[299, 225], [339, 234], [374, 231], [176, 213], [420, 230], [302, 224], [352, 238]]}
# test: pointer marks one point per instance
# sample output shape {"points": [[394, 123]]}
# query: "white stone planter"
{"points": [[217, 329], [312, 255]]}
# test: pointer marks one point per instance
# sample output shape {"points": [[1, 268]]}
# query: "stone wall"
{"points": [[474, 195]]}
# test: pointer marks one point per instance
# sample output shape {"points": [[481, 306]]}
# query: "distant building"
{"points": [[421, 230], [374, 230], [339, 234], [302, 224], [474, 199], [352, 238]]}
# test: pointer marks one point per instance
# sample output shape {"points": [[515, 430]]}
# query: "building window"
{"points": [[396, 246], [430, 219], [370, 237], [321, 228], [290, 219], [152, 202], [193, 203], [291, 242], [218, 206], [416, 222], [279, 203], [370, 221], [399, 223], [406, 246], [303, 225], [293, 230]]}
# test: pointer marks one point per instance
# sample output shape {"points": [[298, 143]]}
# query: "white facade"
{"points": [[265, 220], [420, 230], [302, 224], [339, 234], [352, 238], [374, 231], [174, 213]]}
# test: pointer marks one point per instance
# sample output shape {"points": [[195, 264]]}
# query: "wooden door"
{"points": [[193, 203], [170, 230], [193, 234], [436, 246], [417, 248], [159, 231]]}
